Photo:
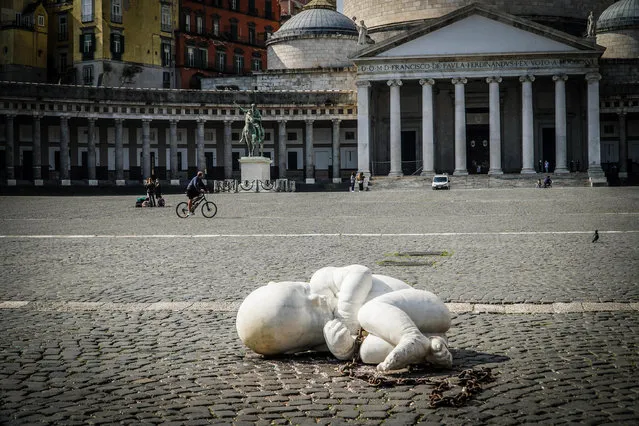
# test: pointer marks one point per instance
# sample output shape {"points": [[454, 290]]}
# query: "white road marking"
{"points": [[424, 234]]}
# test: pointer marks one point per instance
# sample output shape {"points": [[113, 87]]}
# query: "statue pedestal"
{"points": [[255, 168]]}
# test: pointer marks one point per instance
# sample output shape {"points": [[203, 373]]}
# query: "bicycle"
{"points": [[209, 209]]}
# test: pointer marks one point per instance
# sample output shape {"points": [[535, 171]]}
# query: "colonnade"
{"points": [[279, 147], [459, 83]]}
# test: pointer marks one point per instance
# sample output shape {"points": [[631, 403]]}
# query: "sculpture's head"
{"points": [[281, 318]]}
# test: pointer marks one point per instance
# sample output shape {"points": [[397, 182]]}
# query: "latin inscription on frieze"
{"points": [[478, 65]]}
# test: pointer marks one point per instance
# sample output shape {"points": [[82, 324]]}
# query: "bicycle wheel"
{"points": [[182, 209], [209, 209]]}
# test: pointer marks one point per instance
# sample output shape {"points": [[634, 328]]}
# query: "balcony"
{"points": [[166, 27], [24, 25], [87, 17]]}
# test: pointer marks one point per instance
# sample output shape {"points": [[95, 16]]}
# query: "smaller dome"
{"points": [[621, 15], [319, 17]]}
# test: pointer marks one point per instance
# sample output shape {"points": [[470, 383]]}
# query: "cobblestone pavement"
{"points": [[130, 313]]}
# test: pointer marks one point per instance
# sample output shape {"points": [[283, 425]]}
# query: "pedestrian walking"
{"points": [[353, 182]]}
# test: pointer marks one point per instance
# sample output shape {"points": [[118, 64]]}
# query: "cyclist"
{"points": [[194, 189]]}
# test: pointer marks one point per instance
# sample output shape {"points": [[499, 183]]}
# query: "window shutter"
{"points": [[112, 43], [92, 43], [121, 44], [81, 43]]}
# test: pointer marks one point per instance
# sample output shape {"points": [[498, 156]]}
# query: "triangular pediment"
{"points": [[478, 30]]}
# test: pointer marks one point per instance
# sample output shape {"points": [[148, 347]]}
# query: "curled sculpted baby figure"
{"points": [[405, 326]]}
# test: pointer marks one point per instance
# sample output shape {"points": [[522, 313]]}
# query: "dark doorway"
{"points": [[548, 150], [27, 165], [84, 171], [236, 161], [208, 157], [3, 163], [292, 160], [409, 154], [478, 148]]}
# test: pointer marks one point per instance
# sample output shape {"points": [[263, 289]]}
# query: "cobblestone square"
{"points": [[116, 314]]}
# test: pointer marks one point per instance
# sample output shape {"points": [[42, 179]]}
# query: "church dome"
{"points": [[319, 17], [621, 15], [317, 37]]}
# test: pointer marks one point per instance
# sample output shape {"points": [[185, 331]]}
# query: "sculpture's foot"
{"points": [[410, 350]]}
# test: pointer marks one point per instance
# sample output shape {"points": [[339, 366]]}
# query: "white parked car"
{"points": [[441, 182]]}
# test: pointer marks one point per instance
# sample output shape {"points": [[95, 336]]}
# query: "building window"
{"points": [[199, 24], [62, 27], [166, 80], [87, 10], [256, 64], [268, 12], [166, 18], [233, 29], [87, 46], [251, 8], [216, 25], [166, 54], [251, 33], [116, 11], [268, 32], [202, 58], [41, 20], [117, 46], [190, 56], [87, 74], [239, 64], [187, 23], [220, 61], [233, 4]]}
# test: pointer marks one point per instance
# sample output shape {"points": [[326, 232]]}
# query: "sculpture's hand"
{"points": [[339, 339]]}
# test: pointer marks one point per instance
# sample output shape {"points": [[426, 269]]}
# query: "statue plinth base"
{"points": [[255, 168]]}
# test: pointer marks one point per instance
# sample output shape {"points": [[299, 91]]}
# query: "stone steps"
{"points": [[478, 181]]}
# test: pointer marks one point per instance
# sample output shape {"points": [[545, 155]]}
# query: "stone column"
{"points": [[64, 151], [199, 141], [623, 145], [10, 150], [527, 122], [91, 151], [146, 148], [228, 150], [395, 128], [37, 150], [173, 152], [495, 126], [281, 148], [336, 157], [594, 137], [460, 126], [309, 167], [560, 123], [428, 135], [363, 127], [119, 153]]}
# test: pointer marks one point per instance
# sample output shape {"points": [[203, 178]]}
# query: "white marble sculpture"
{"points": [[405, 326]]}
